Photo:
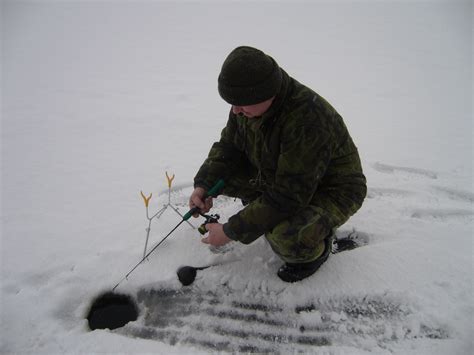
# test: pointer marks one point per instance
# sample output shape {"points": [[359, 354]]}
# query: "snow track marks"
{"points": [[230, 321]]}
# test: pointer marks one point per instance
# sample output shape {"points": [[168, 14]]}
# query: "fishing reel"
{"points": [[212, 218]]}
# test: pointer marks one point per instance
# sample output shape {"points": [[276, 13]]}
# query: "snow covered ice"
{"points": [[100, 99]]}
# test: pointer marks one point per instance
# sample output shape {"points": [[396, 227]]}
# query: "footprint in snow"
{"points": [[376, 192], [442, 214], [347, 240], [455, 194], [392, 169]]}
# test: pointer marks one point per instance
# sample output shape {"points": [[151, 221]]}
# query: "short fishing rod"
{"points": [[213, 192]]}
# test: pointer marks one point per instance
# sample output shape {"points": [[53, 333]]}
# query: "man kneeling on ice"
{"points": [[287, 154]]}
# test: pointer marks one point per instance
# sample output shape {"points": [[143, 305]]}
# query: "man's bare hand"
{"points": [[216, 236], [197, 200]]}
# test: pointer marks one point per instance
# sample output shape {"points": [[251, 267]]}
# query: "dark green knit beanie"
{"points": [[248, 76]]}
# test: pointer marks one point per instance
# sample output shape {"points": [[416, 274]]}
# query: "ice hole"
{"points": [[112, 310]]}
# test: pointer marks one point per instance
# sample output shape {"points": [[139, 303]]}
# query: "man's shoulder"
{"points": [[305, 109], [303, 102], [304, 95], [300, 93]]}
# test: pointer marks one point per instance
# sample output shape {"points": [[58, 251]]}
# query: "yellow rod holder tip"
{"points": [[170, 179], [146, 199]]}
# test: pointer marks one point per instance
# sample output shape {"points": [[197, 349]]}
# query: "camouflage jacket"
{"points": [[302, 154]]}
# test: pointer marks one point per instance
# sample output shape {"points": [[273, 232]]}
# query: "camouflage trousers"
{"points": [[302, 237]]}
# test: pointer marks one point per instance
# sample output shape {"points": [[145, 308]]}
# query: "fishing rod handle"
{"points": [[214, 191]]}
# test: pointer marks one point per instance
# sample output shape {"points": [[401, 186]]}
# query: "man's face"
{"points": [[253, 110]]}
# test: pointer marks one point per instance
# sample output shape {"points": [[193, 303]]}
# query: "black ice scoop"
{"points": [[187, 274]]}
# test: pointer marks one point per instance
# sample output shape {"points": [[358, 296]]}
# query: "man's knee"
{"points": [[302, 238]]}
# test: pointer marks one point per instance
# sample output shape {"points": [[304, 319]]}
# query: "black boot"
{"points": [[293, 272]]}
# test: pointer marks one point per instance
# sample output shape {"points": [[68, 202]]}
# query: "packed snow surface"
{"points": [[100, 99]]}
